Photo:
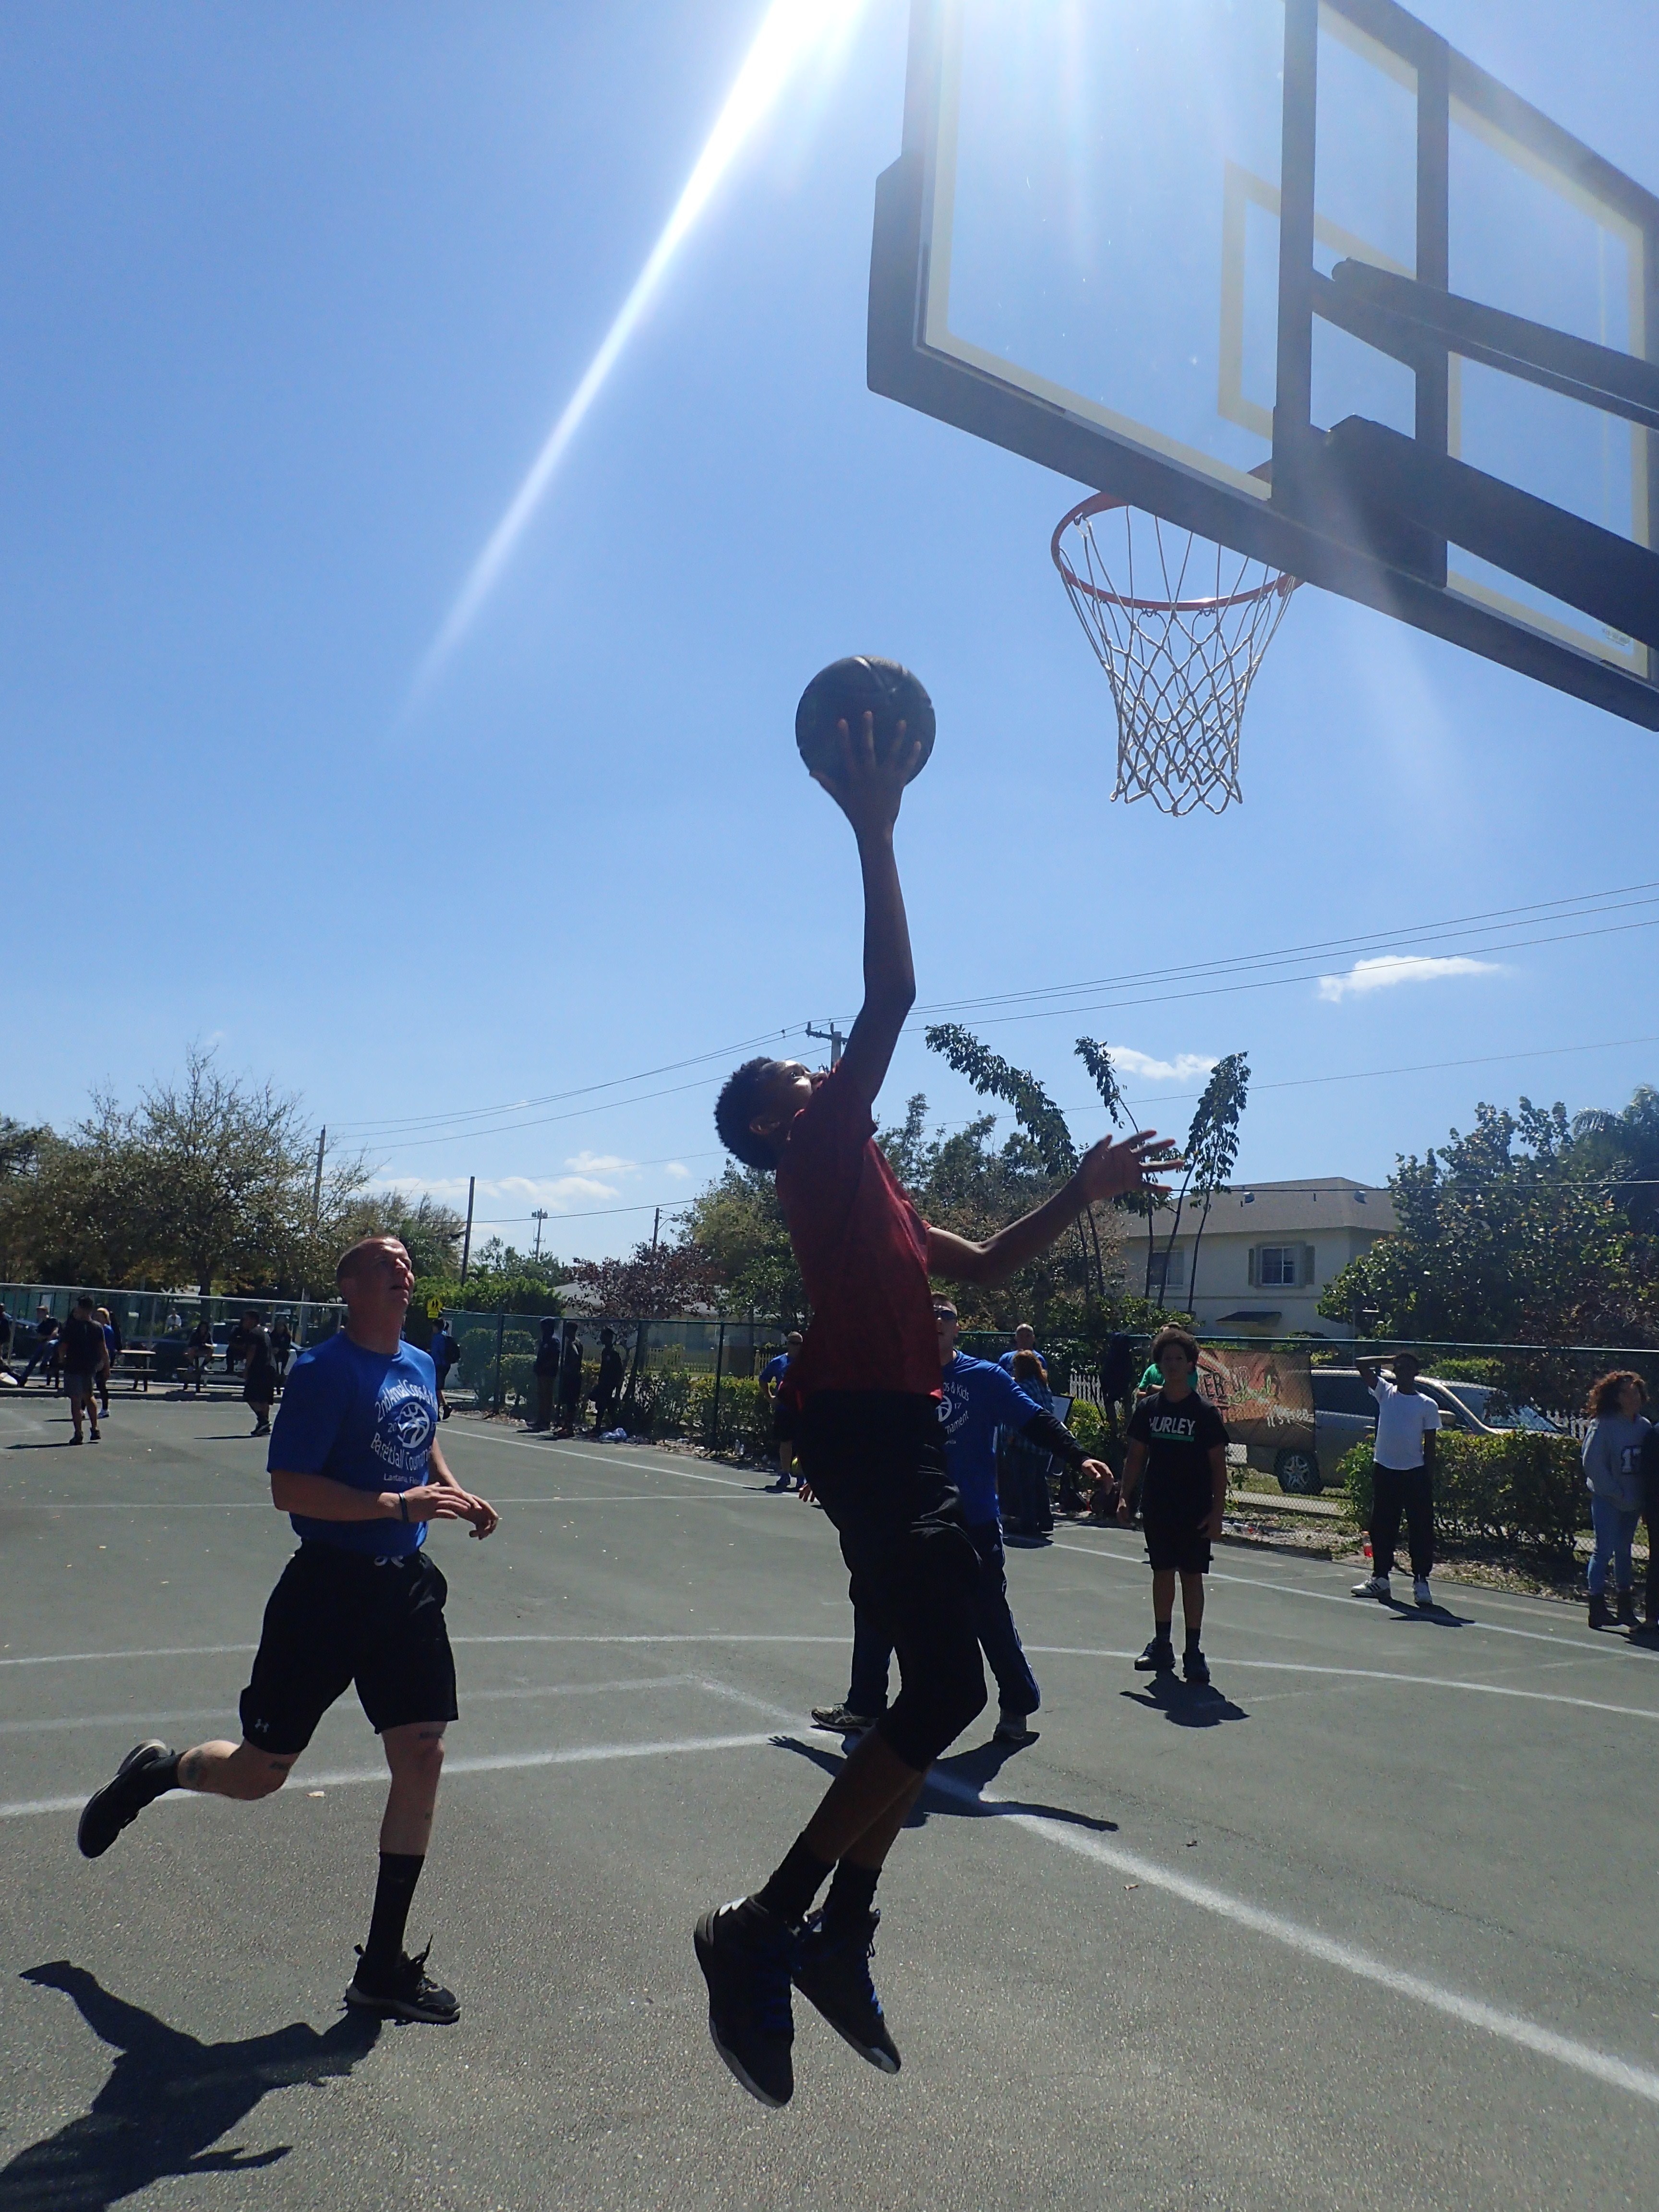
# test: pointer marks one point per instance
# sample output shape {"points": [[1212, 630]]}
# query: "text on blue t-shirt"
{"points": [[366, 1418], [978, 1400]]}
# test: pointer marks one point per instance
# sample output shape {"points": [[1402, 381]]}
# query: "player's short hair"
{"points": [[736, 1107], [794, 1337], [355, 1258], [1183, 1340]]}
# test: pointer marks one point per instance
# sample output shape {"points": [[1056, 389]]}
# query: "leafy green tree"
{"points": [[737, 1224], [1503, 1236], [1213, 1139], [1622, 1151]]}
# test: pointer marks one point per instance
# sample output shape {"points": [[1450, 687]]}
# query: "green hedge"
{"points": [[1088, 1424], [1519, 1488]]}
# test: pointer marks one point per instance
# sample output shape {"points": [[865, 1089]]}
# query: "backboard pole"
{"points": [[1434, 241], [1293, 399]]}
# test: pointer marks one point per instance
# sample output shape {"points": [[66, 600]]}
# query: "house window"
{"points": [[1169, 1272], [1276, 1266]]}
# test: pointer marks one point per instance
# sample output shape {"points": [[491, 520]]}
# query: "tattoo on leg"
{"points": [[190, 1770]]}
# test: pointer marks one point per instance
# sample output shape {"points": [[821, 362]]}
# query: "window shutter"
{"points": [[1308, 1274], [1256, 1266]]}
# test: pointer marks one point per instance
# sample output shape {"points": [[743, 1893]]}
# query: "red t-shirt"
{"points": [[862, 1248]]}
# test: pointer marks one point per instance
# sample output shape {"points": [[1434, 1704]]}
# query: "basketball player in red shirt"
{"points": [[869, 1439]]}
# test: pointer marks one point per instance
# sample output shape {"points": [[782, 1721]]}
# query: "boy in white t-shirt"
{"points": [[1402, 1476]]}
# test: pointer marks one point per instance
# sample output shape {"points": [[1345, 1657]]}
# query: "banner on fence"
{"points": [[1266, 1398]]}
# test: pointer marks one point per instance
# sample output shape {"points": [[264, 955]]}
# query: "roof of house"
{"points": [[1298, 1208]]}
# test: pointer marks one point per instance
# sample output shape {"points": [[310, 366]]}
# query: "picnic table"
{"points": [[139, 1361]]}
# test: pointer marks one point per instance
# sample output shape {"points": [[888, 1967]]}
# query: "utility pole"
{"points": [[316, 1183], [831, 1036], [656, 1223], [466, 1240], [538, 1216]]}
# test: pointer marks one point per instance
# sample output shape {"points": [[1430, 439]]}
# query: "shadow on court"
{"points": [[1185, 1706], [955, 1786], [169, 2098]]}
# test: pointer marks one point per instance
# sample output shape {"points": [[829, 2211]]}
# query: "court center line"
{"points": [[481, 1763], [220, 1650], [264, 1505], [1357, 1605], [210, 1713], [668, 1464], [1469, 2012]]}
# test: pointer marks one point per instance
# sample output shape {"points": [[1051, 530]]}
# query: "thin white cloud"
{"points": [[559, 1193], [1185, 1068], [601, 1164], [679, 1169], [1382, 973]]}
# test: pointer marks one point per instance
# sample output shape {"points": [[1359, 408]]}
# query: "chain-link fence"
{"points": [[154, 1325]]}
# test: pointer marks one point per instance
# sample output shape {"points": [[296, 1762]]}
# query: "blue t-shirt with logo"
{"points": [[772, 1373], [979, 1400], [362, 1418]]}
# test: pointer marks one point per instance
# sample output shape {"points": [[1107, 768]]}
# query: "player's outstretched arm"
{"points": [[1106, 1170], [867, 787]]}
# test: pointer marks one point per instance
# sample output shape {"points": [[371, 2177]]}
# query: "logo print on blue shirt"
{"points": [[411, 1424]]}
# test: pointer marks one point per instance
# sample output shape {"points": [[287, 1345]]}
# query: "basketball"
{"points": [[848, 690]]}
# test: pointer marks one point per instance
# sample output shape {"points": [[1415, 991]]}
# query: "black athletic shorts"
{"points": [[876, 1460], [1172, 1525], [337, 1618], [784, 1420]]}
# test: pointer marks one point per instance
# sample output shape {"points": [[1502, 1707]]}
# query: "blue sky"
{"points": [[288, 302]]}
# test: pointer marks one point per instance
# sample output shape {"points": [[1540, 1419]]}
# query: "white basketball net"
{"points": [[1180, 625]]}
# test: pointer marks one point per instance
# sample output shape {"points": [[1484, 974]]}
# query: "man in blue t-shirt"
{"points": [[355, 1465], [783, 1409], [977, 1399], [443, 1352]]}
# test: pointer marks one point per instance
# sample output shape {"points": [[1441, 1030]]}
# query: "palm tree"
{"points": [[1622, 1151]]}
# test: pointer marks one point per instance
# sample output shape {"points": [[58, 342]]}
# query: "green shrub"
{"points": [[660, 1402], [476, 1366], [1520, 1488], [1088, 1424], [745, 1413]]}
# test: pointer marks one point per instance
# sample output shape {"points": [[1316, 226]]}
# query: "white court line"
{"points": [[1471, 2012], [1373, 1675], [481, 1763], [473, 1697], [166, 1651], [218, 1650], [264, 1505], [1357, 1605], [667, 1464]]}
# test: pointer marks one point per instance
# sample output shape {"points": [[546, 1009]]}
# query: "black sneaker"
{"points": [[832, 1972], [842, 1719], [1158, 1657], [1195, 1666], [120, 1803], [745, 1952], [408, 1992]]}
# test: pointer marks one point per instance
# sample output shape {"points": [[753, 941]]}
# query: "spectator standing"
{"points": [[783, 1410], [198, 1351], [570, 1381], [259, 1379], [112, 1344], [1650, 1514], [1402, 1476], [607, 1387], [1022, 1474], [5, 1338], [1178, 1445], [444, 1352], [1613, 1470], [1025, 1341], [86, 1359], [547, 1374], [282, 1350], [45, 1346]]}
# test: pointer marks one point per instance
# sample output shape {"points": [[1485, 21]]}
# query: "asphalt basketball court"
{"points": [[1369, 1922]]}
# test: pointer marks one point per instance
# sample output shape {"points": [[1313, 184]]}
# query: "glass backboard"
{"points": [[1088, 252]]}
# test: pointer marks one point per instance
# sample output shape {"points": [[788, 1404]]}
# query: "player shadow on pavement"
{"points": [[1431, 1616], [955, 1785], [169, 2098], [1187, 1705]]}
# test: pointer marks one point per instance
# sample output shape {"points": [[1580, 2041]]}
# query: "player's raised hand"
{"points": [[868, 781], [1110, 1169]]}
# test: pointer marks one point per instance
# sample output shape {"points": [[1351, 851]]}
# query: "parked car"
{"points": [[1345, 1414]]}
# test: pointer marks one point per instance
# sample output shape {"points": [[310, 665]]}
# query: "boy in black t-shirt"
{"points": [[1178, 1444]]}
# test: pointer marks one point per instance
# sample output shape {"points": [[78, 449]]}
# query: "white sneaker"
{"points": [[1373, 1586], [1421, 1592]]}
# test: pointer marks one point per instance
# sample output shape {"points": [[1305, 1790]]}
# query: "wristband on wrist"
{"points": [[402, 1507]]}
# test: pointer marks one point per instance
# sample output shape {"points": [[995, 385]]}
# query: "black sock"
{"points": [[852, 1895], [157, 1780], [1161, 1630], [790, 1892], [394, 1893], [1192, 1638]]}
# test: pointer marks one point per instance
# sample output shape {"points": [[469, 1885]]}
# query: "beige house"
{"points": [[1268, 1251]]}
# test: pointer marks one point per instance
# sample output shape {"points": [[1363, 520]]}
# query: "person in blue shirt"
{"points": [[783, 1410], [443, 1352], [355, 1463], [1025, 1340], [977, 1399]]}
